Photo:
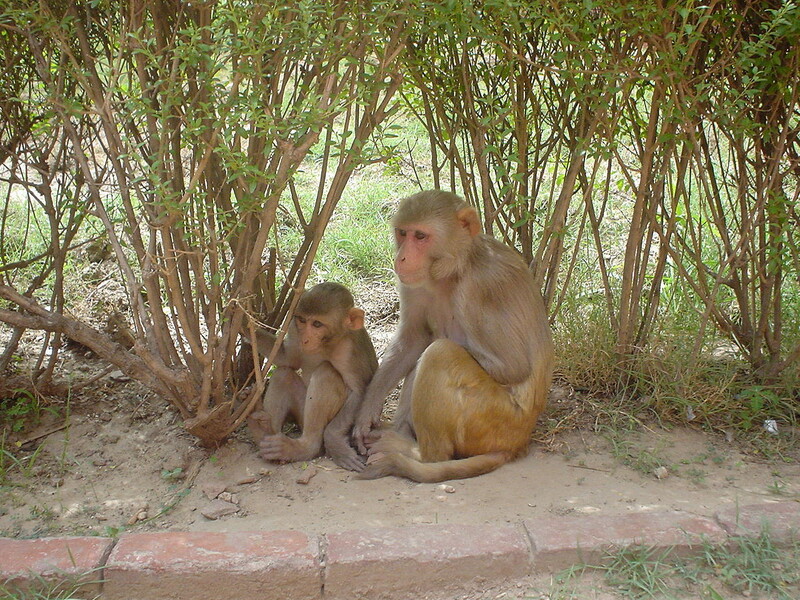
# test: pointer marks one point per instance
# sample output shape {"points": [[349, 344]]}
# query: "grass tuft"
{"points": [[747, 566]]}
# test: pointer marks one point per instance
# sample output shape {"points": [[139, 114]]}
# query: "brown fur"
{"points": [[323, 368], [473, 345]]}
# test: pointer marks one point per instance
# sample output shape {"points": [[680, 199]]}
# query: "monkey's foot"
{"points": [[258, 425], [281, 448], [373, 458], [379, 464]]}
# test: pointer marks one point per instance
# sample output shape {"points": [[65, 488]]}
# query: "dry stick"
{"points": [[598, 242], [94, 378], [628, 302], [37, 317], [552, 234], [93, 86], [746, 229], [44, 434], [654, 297], [590, 468]]}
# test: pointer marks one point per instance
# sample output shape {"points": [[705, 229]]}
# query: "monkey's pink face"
{"points": [[313, 333], [413, 258]]}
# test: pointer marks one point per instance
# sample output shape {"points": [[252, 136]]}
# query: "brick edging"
{"points": [[430, 560]]}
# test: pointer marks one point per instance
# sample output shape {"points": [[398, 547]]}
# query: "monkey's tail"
{"points": [[395, 463]]}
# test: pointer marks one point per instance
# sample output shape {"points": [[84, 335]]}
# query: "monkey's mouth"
{"points": [[409, 279]]}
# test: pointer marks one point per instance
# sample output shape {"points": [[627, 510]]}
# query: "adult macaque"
{"points": [[473, 345], [323, 368]]}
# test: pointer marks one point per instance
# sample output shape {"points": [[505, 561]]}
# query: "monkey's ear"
{"points": [[355, 318], [468, 218]]}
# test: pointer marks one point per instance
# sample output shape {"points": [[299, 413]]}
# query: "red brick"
{"points": [[407, 562], [200, 565], [564, 541], [780, 519], [68, 559]]}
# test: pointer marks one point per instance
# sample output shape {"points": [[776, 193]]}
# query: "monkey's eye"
{"points": [[400, 232], [317, 324], [420, 235], [300, 319]]}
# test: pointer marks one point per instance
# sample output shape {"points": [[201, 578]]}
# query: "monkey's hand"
{"points": [[346, 458], [366, 421]]}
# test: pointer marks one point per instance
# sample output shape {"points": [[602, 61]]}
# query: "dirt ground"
{"points": [[121, 461], [108, 472]]}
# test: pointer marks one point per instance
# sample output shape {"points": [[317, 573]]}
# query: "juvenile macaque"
{"points": [[473, 345], [323, 368]]}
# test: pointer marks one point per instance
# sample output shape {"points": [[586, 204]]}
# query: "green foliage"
{"points": [[358, 244], [11, 463], [24, 409], [176, 473], [207, 113], [63, 587], [751, 565], [638, 154], [757, 402], [642, 460]]}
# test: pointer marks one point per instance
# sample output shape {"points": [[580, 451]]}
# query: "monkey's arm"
{"points": [[289, 354], [356, 372], [511, 329], [401, 356], [336, 437]]}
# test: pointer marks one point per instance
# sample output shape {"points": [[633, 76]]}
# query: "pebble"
{"points": [[118, 376], [217, 509], [307, 475], [212, 489], [228, 497], [140, 515]]}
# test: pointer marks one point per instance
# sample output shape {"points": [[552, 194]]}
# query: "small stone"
{"points": [[218, 509], [118, 376], [139, 515], [447, 489], [228, 497], [307, 475], [661, 472], [212, 489]]}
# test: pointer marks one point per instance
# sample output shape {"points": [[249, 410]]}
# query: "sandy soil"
{"points": [[121, 461], [127, 464]]}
